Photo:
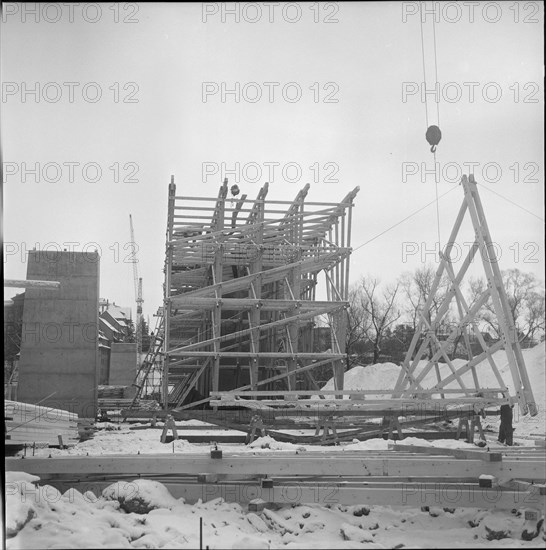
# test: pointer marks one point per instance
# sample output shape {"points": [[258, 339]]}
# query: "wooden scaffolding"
{"points": [[419, 361], [240, 292]]}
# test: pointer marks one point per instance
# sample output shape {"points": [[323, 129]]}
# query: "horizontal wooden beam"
{"points": [[457, 453], [409, 406], [261, 354], [236, 304], [21, 283], [362, 463], [264, 201], [356, 393]]}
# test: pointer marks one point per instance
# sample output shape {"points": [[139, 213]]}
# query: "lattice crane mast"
{"points": [[138, 293]]}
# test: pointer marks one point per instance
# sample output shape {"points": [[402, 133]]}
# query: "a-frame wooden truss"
{"points": [[417, 367], [240, 291]]}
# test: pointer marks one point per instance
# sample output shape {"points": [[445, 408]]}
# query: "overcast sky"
{"points": [[138, 92]]}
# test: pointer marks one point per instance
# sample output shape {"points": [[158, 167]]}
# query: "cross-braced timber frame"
{"points": [[241, 279], [417, 366]]}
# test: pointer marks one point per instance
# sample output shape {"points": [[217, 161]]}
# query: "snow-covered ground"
{"points": [[123, 440], [155, 519], [151, 518]]}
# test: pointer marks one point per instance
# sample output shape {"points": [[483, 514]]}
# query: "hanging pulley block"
{"points": [[433, 137]]}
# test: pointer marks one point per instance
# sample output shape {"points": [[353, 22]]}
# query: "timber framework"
{"points": [[242, 276]]}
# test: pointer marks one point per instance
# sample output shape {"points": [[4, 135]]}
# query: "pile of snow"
{"points": [[383, 376], [19, 509], [125, 441], [267, 442], [140, 496], [380, 376], [375, 444], [379, 444], [39, 516]]}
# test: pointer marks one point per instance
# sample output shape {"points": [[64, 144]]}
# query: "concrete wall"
{"points": [[104, 354], [122, 365], [59, 365]]}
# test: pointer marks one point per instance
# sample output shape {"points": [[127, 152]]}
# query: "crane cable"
{"points": [[433, 133], [433, 136], [404, 219]]}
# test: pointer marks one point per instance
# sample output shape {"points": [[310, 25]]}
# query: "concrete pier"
{"points": [[59, 363]]}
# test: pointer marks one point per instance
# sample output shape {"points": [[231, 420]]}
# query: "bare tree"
{"points": [[526, 301], [417, 287], [381, 308], [358, 326]]}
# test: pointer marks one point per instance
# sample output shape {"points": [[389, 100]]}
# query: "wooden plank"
{"points": [[363, 463], [272, 354], [405, 406], [23, 283], [236, 304], [343, 392], [486, 456]]}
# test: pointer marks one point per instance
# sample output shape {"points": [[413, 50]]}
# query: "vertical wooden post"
{"points": [[256, 266], [294, 285], [167, 293], [218, 271]]}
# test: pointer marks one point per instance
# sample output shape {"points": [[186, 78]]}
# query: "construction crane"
{"points": [[138, 294]]}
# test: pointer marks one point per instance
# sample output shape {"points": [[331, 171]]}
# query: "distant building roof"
{"points": [[103, 341], [120, 313], [109, 325]]}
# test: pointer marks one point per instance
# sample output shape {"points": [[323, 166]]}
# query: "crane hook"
{"points": [[433, 136]]}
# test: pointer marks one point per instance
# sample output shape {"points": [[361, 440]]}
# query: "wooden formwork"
{"points": [[240, 296]]}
